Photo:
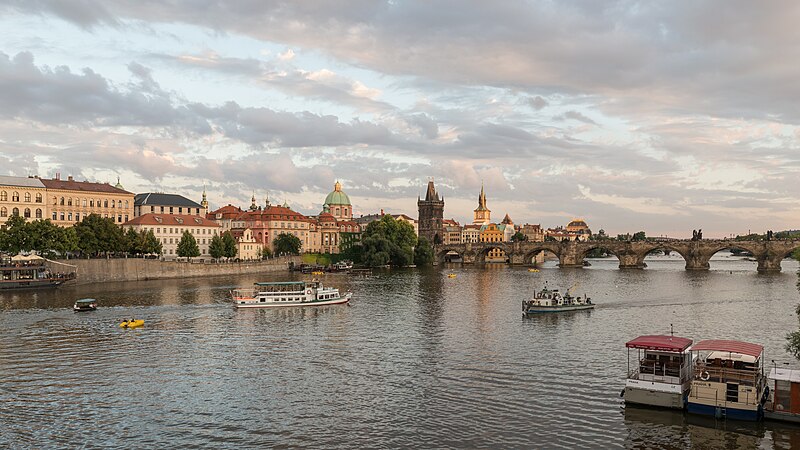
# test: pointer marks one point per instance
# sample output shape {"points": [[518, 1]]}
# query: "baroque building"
{"points": [[70, 201], [24, 197], [431, 216], [169, 228]]}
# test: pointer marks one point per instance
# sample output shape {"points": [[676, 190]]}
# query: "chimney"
{"points": [[381, 211], [69, 178], [58, 175]]}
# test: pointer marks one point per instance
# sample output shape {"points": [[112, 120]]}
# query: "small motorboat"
{"points": [[548, 300], [85, 304], [133, 323]]}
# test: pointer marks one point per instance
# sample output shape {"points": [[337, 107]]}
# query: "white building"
{"points": [[168, 229]]}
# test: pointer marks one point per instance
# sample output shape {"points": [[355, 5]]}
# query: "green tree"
{"points": [[423, 253], [16, 235], [266, 253], [639, 236], [216, 248], [100, 235], [152, 244], [388, 238], [519, 237], [187, 247], [287, 243], [134, 241], [228, 245], [68, 241], [793, 339], [48, 239]]}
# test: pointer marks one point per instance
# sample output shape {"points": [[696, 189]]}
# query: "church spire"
{"points": [[204, 202], [431, 195], [253, 206]]}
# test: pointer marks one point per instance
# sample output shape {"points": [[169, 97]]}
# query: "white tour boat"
{"points": [[288, 293], [548, 300], [663, 372], [729, 380]]}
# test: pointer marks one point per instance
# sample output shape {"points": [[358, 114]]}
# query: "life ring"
{"points": [[704, 375], [308, 292]]}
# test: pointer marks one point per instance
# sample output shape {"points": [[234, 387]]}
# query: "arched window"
{"points": [[38, 213], [15, 196], [91, 203], [55, 216], [3, 212], [119, 204], [113, 204], [126, 204], [105, 204], [69, 201], [62, 201], [83, 202], [38, 197], [15, 212], [28, 197], [27, 213], [3, 196]]}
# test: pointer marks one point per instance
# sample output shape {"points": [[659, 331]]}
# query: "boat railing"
{"points": [[244, 293], [717, 374], [671, 373], [718, 396]]}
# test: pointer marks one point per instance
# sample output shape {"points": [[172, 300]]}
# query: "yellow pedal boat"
{"points": [[317, 272], [451, 275], [533, 270], [132, 323]]}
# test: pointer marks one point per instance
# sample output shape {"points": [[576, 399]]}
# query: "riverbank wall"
{"points": [[137, 269]]}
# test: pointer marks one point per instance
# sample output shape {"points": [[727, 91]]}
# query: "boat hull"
{"points": [[551, 309], [666, 396], [79, 309], [255, 304], [749, 415], [782, 416], [31, 284]]}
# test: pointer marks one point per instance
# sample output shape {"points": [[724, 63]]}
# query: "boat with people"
{"points": [[662, 374], [30, 272], [85, 304], [552, 300], [132, 323], [729, 380], [288, 293]]}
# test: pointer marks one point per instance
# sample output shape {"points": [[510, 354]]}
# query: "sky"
{"points": [[656, 116]]}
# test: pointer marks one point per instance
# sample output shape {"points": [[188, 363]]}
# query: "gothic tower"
{"points": [[482, 213], [431, 216]]}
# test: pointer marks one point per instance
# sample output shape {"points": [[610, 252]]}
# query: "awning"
{"points": [[660, 343], [717, 345], [792, 375]]}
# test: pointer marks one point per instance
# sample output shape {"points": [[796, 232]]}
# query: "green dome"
{"points": [[337, 197]]}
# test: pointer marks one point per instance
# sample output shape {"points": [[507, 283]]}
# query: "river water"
{"points": [[419, 360]]}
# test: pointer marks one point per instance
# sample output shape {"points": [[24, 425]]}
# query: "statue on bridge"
{"points": [[697, 234], [769, 235]]}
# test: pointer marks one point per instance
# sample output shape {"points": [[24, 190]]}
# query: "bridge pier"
{"points": [[631, 261], [767, 265]]}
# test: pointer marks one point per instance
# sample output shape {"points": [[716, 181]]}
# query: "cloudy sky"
{"points": [[656, 116]]}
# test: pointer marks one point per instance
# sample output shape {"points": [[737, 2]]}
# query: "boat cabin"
{"points": [[784, 403], [728, 380], [661, 374]]}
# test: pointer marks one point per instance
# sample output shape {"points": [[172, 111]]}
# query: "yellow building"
{"points": [[24, 197], [69, 201], [493, 233], [247, 248]]}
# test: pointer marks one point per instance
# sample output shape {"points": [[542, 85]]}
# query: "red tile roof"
{"points": [[273, 213], [171, 219], [85, 186], [227, 211]]}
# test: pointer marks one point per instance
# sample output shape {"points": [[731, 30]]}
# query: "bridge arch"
{"points": [[531, 253], [664, 247], [485, 253]]}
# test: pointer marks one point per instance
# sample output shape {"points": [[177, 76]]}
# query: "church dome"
{"points": [[337, 197], [578, 223]]}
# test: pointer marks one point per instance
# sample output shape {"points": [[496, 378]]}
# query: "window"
{"points": [[27, 213], [119, 204], [162, 209], [113, 205], [61, 202], [62, 216], [170, 210], [126, 217], [77, 217], [91, 203], [83, 202], [15, 197], [3, 212], [119, 218], [105, 204], [15, 212], [69, 217], [38, 198], [152, 208], [3, 196], [28, 197], [55, 216], [180, 210], [69, 202], [126, 204]]}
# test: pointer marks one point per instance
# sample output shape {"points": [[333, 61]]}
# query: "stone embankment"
{"points": [[137, 269]]}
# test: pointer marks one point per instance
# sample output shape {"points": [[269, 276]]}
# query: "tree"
{"points": [[287, 243], [99, 235], [423, 253], [793, 338], [49, 239], [266, 253], [151, 243], [15, 236], [519, 237], [187, 247], [228, 245], [388, 241], [639, 236], [134, 241], [216, 248]]}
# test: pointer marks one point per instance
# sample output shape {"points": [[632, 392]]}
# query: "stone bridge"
{"points": [[631, 254]]}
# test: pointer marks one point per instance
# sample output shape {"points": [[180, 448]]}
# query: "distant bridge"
{"points": [[631, 254]]}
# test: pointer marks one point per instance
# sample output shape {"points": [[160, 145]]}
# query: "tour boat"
{"points": [[547, 300], [784, 398], [663, 372], [288, 293], [85, 304], [30, 272], [729, 380]]}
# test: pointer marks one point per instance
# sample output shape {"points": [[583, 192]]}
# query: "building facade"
{"points": [[482, 215], [452, 232], [431, 216], [24, 197], [247, 248], [160, 203], [70, 201], [169, 228], [533, 233]]}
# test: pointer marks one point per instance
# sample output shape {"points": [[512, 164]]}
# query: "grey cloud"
{"points": [[538, 103], [580, 117]]}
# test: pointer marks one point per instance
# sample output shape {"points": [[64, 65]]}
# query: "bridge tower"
{"points": [[431, 215]]}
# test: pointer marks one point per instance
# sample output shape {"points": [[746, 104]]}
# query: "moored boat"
{"points": [[663, 373], [784, 398], [728, 380], [548, 300], [85, 304], [30, 272], [288, 293]]}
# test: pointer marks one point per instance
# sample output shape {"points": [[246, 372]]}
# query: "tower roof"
{"points": [[482, 201], [507, 220], [431, 195]]}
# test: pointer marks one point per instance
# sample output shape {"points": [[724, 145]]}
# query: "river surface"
{"points": [[419, 360]]}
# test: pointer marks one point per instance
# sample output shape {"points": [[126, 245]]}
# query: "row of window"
{"points": [[15, 212], [67, 201], [68, 216], [193, 231], [172, 210], [15, 197]]}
